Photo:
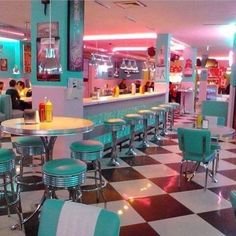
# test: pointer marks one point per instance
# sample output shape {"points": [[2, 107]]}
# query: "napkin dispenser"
{"points": [[31, 116]]}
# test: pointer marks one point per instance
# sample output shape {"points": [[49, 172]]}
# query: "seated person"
{"points": [[22, 90], [15, 97], [172, 92], [137, 84], [122, 84], [2, 91], [147, 86]]}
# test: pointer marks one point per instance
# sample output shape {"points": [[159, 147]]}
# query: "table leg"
{"points": [[48, 143]]}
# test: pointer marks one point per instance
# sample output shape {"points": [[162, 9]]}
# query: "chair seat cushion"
{"points": [[29, 141], [215, 146], [86, 146], [114, 122], [65, 167], [198, 157], [136, 117], [6, 155], [157, 109]]}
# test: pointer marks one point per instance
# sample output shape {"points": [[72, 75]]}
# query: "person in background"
{"points": [[172, 92], [147, 86], [137, 84], [122, 84], [2, 91], [22, 90], [15, 97]]}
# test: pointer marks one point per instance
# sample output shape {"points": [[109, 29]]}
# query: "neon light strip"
{"points": [[226, 58], [120, 36], [115, 49], [12, 32], [8, 39]]}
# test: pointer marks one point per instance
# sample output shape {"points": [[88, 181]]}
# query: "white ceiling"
{"points": [[198, 23]]}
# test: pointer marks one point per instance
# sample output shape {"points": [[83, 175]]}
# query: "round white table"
{"points": [[48, 131]]}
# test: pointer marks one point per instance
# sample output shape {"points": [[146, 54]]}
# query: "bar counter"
{"points": [[110, 103]]}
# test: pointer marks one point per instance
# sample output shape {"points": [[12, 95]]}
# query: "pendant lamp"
{"points": [[50, 64]]}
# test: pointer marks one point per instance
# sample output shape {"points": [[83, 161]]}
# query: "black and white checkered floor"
{"points": [[144, 192]]}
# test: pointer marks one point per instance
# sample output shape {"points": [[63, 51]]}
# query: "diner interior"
{"points": [[117, 117]]}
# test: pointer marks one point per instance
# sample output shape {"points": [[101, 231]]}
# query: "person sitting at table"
{"points": [[15, 97], [22, 90], [122, 84], [2, 91]]}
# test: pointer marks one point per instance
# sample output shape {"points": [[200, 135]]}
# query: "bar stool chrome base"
{"points": [[131, 152]]}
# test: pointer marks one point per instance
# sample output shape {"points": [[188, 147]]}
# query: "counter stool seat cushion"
{"points": [[145, 112], [114, 122], [130, 117], [87, 146], [6, 155], [174, 104], [157, 109], [64, 167], [29, 141]]}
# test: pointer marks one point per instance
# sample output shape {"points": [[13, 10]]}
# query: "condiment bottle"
{"points": [[117, 91], [141, 89], [42, 117], [199, 121], [133, 88], [48, 111]]}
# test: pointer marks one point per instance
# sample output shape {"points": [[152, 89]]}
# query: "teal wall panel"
{"points": [[59, 10]]}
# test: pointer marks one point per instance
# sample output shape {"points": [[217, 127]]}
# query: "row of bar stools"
{"points": [[28, 148], [167, 108], [114, 125], [9, 196], [159, 111], [132, 120], [146, 114], [64, 174], [176, 106], [90, 152]]}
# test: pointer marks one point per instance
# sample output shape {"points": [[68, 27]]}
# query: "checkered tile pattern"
{"points": [[144, 191]]}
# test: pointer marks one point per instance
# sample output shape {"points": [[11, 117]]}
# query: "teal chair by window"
{"points": [[233, 200], [196, 146], [67, 218]]}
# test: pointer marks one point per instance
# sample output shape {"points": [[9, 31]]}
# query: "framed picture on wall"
{"points": [[27, 58], [3, 64], [48, 52], [75, 34]]}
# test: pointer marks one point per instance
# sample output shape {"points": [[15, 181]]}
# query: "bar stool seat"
{"points": [[146, 114], [132, 120], [90, 151], [175, 106], [9, 196], [159, 111], [64, 174], [29, 147], [114, 125]]}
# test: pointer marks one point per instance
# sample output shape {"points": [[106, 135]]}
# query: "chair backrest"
{"points": [[66, 218], [194, 141], [233, 200], [215, 108], [5, 105]]}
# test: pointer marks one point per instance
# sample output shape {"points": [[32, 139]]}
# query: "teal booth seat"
{"points": [[71, 219], [233, 200], [6, 111], [195, 145], [217, 109]]}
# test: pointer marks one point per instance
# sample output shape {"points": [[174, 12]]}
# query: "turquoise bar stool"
{"points": [[90, 152], [175, 106], [146, 114], [132, 120], [9, 196], [70, 218], [159, 111], [28, 148], [64, 174], [114, 125], [168, 109]]}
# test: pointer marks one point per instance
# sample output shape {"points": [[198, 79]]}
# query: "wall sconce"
{"points": [[15, 70]]}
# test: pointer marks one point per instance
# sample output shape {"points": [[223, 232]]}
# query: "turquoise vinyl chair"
{"points": [[233, 200], [67, 218], [196, 146]]}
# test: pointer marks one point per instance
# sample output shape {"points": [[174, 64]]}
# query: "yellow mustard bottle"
{"points": [[117, 91], [48, 111], [141, 89]]}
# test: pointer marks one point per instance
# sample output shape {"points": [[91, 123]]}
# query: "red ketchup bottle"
{"points": [[42, 116]]}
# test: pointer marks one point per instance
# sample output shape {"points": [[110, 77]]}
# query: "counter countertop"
{"points": [[108, 99]]}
